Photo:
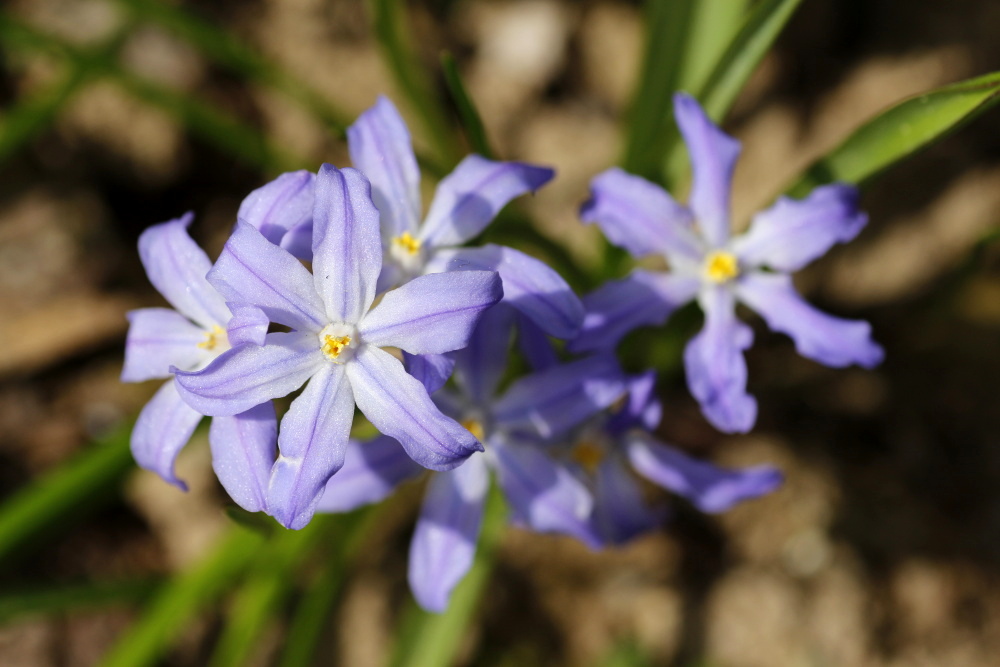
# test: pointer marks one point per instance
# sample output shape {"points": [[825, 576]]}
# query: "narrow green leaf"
{"points": [[712, 27], [432, 640], [182, 598], [70, 597], [79, 486], [903, 129], [472, 123]]}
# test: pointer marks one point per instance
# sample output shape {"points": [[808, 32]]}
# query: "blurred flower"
{"points": [[707, 265]]}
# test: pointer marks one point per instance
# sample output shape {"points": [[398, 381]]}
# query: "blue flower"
{"points": [[336, 344], [708, 265]]}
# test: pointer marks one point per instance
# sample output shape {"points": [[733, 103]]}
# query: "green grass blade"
{"points": [[713, 25], [70, 597], [472, 123], [432, 640], [183, 597], [900, 131], [80, 485]]}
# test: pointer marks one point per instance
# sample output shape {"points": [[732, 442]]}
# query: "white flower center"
{"points": [[407, 252], [339, 342], [721, 266]]}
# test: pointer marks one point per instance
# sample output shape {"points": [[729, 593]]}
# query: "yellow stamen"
{"points": [[588, 454], [406, 242], [721, 266], [213, 338], [334, 345], [475, 427]]}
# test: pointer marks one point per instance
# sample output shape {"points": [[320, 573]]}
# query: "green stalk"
{"points": [[472, 123], [69, 597]]}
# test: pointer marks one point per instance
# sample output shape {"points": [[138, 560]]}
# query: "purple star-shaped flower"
{"points": [[336, 344], [200, 329], [708, 265]]}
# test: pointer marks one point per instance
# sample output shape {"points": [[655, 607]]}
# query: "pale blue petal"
{"points": [[380, 148], [642, 409], [433, 370], [372, 470], [312, 445], [398, 406], [644, 298], [247, 325], [620, 512], [713, 158], [481, 364], [471, 196], [280, 206], [535, 345], [159, 338], [163, 428], [244, 377], [829, 340], [299, 240], [708, 487], [176, 267], [347, 250], [432, 314], [243, 451], [444, 542], [716, 369], [252, 271], [639, 216]]}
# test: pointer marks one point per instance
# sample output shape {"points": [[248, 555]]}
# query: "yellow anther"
{"points": [[721, 266], [475, 427], [334, 345], [213, 338], [588, 454], [406, 242]]}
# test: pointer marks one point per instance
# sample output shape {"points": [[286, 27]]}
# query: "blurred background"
{"points": [[883, 547]]}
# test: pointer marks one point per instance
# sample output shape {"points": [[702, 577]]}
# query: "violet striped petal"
{"points": [[620, 511], [347, 250], [381, 149], [556, 400], [244, 377], [243, 451], [535, 345], [312, 445], [470, 197], [432, 314], [829, 340], [616, 308], [713, 157], [433, 370], [371, 471], [253, 271], [176, 267], [398, 406], [792, 233], [481, 364], [280, 206], [163, 428], [159, 338], [715, 367], [708, 487], [642, 409], [299, 240], [639, 216], [444, 542], [247, 325]]}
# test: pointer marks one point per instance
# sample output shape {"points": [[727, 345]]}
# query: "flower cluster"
{"points": [[327, 275]]}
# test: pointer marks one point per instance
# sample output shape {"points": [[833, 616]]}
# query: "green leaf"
{"points": [[432, 640], [69, 597], [713, 24], [900, 131], [472, 123]]}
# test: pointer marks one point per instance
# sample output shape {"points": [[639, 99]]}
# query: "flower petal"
{"points": [[619, 306], [535, 345], [432, 314], [252, 271], [528, 285], [716, 370], [470, 197], [554, 401], [829, 340], [708, 487], [243, 451], [639, 216], [433, 370], [164, 426], [176, 267], [244, 377], [480, 364], [312, 445], [793, 233], [299, 240], [398, 406], [347, 251], [372, 470], [247, 325], [620, 512], [543, 494], [713, 158], [444, 542], [159, 338], [280, 206], [642, 409], [381, 149]]}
